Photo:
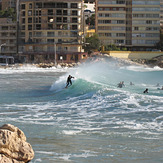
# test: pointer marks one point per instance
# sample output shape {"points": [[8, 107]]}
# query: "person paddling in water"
{"points": [[146, 91], [69, 82]]}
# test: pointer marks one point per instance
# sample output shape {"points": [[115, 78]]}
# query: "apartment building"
{"points": [[8, 32], [8, 4], [161, 15], [49, 27], [89, 1], [8, 37], [134, 24]]}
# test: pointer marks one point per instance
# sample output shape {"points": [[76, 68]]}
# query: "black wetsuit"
{"points": [[69, 80], [146, 91]]}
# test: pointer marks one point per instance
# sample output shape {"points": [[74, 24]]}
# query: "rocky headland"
{"points": [[156, 61]]}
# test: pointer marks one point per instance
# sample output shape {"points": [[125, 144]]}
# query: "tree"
{"points": [[113, 47], [91, 20], [91, 43], [159, 45], [9, 13]]}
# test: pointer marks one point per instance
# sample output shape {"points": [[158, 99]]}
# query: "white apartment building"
{"points": [[134, 24]]}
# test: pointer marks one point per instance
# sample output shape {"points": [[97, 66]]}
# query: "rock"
{"points": [[4, 159], [13, 145]]}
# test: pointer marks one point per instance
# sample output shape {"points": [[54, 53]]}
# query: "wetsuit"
{"points": [[146, 91], [69, 80]]}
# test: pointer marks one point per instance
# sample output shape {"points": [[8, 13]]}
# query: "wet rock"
{"points": [[13, 145]]}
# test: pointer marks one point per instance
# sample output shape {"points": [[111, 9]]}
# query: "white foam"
{"points": [[30, 68], [142, 68], [71, 132]]}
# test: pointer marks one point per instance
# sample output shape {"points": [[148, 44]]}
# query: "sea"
{"points": [[93, 120]]}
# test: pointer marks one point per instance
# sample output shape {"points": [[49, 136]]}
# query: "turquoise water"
{"points": [[91, 121]]}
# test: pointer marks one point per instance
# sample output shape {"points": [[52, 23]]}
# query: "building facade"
{"points": [[8, 30], [161, 15], [8, 37], [8, 4], [134, 24], [50, 29]]}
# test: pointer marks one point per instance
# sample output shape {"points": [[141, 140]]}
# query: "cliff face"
{"points": [[13, 145]]}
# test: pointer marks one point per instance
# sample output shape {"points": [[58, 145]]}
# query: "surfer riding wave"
{"points": [[69, 82]]}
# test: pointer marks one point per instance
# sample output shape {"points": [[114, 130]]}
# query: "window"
{"points": [[30, 6], [29, 12], [65, 26], [22, 34], [64, 19], [59, 19], [50, 34], [149, 22], [29, 20], [74, 5], [120, 2], [29, 27], [50, 40], [64, 12], [23, 27], [65, 48], [74, 12], [59, 40], [59, 12], [39, 5], [59, 26], [136, 28], [23, 20], [38, 26], [50, 26], [74, 27], [50, 12], [23, 13], [23, 6], [120, 21], [38, 34], [74, 20], [30, 34]]}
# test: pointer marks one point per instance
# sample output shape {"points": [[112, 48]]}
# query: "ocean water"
{"points": [[92, 121]]}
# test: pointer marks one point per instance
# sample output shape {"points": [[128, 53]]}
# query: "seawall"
{"points": [[134, 54]]}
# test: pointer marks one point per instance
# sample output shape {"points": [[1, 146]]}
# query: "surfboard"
{"points": [[68, 86]]}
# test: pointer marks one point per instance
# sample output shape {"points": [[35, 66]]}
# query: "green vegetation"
{"points": [[91, 43], [113, 47], [159, 45], [10, 13], [91, 20]]}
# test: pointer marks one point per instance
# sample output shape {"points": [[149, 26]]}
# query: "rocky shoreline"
{"points": [[157, 61]]}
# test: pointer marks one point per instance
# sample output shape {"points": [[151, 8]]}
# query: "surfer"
{"points": [[121, 84], [146, 91], [160, 88], [69, 82], [157, 85], [131, 83]]}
